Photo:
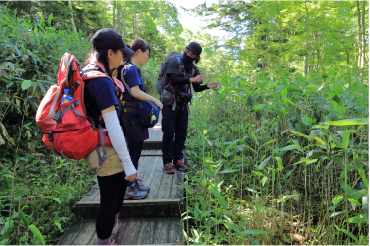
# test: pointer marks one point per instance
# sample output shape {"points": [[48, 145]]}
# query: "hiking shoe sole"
{"points": [[135, 197], [169, 172]]}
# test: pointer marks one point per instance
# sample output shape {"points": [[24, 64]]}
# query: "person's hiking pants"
{"points": [[112, 192], [174, 127], [134, 149]]}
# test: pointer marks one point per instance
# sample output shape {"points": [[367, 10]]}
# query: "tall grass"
{"points": [[279, 160], [35, 206]]}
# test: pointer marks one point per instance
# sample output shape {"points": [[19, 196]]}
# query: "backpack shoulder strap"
{"points": [[192, 71], [123, 80]]}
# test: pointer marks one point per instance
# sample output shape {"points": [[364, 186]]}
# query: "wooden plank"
{"points": [[165, 186], [149, 175], [93, 239], [176, 230], [96, 197], [143, 201], [85, 234], [70, 235], [92, 193], [142, 168], [149, 168], [132, 232], [154, 152], [156, 180], [121, 230], [146, 234], [177, 191], [161, 235]]}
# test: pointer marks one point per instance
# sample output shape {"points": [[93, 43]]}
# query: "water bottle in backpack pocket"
{"points": [[66, 97]]}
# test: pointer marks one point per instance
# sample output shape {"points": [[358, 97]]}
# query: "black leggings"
{"points": [[134, 149], [112, 191], [174, 124]]}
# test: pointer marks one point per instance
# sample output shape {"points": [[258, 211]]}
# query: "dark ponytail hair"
{"points": [[101, 56], [197, 60], [135, 45]]}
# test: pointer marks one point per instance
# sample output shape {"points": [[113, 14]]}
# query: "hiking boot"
{"points": [[181, 165], [115, 228], [134, 193], [168, 168], [140, 185]]}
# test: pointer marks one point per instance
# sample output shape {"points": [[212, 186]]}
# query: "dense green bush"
{"points": [[35, 198], [31, 52], [279, 160]]}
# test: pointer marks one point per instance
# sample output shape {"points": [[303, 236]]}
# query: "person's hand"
{"points": [[131, 177], [159, 104], [197, 79], [212, 84]]}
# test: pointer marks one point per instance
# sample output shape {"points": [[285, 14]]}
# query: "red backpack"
{"points": [[68, 131]]}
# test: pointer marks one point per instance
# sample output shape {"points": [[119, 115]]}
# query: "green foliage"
{"points": [[46, 199], [28, 66], [279, 147], [31, 55], [264, 159], [289, 36]]}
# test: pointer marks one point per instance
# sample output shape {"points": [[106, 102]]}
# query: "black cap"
{"points": [[195, 48], [107, 38]]}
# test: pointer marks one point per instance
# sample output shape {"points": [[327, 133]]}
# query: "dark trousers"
{"points": [[134, 149], [174, 127], [112, 191]]}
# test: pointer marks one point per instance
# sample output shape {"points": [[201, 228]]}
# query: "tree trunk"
{"points": [[71, 11], [359, 39], [308, 46], [123, 23], [134, 26], [281, 34], [118, 22], [305, 66], [363, 32], [114, 15], [103, 13]]}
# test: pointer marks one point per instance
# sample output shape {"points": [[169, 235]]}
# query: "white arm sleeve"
{"points": [[118, 141]]}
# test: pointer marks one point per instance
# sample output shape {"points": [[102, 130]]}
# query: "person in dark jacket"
{"points": [[175, 114]]}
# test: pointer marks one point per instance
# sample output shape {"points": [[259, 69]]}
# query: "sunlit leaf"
{"points": [[349, 122], [338, 89], [360, 170], [263, 164], [280, 163], [220, 198], [337, 199], [26, 84], [37, 234]]}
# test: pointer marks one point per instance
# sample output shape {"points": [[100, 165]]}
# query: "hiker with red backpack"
{"points": [[100, 99], [130, 75], [177, 75], [82, 117]]}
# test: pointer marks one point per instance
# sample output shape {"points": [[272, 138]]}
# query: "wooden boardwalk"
{"points": [[153, 220], [131, 232]]}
